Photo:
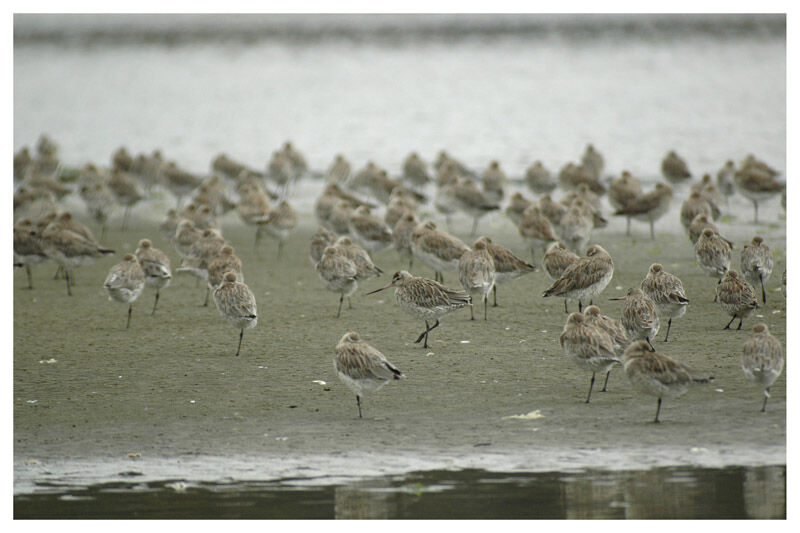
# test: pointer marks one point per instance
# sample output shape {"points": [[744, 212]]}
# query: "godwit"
{"points": [[701, 222], [656, 374], [338, 273], [278, 224], [186, 234], [494, 182], [507, 266], [539, 179], [225, 261], [28, 249], [339, 171], [170, 224], [576, 229], [593, 160], [553, 211], [472, 201], [725, 179], [425, 299], [99, 202], [415, 171], [125, 282], [179, 182], [516, 206], [339, 219], [476, 273], [237, 304], [649, 207], [200, 255], [69, 249], [694, 205], [370, 231], [401, 236], [588, 346], [762, 360], [361, 367], [713, 254], [737, 297], [711, 193], [556, 259], [757, 264], [227, 166], [365, 268], [319, 241], [127, 191], [615, 330], [400, 203], [536, 229], [297, 159], [666, 291], [436, 248], [674, 168], [622, 191], [756, 185], [585, 278], [155, 264], [639, 316], [572, 175]]}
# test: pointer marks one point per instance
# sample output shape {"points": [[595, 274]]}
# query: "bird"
{"points": [[556, 259], [369, 231], [339, 171], [613, 327], [757, 264], [725, 179], [200, 255], [319, 241], [639, 315], [572, 175], [699, 223], [476, 272], [155, 264], [472, 201], [361, 367], [425, 299], [649, 206], [507, 266], [236, 302], [278, 224], [401, 236], [588, 346], [657, 374], [674, 168], [536, 228], [127, 191], [623, 190], [436, 248], [539, 179], [762, 359], [365, 268], [70, 249], [593, 160], [338, 273], [28, 249], [400, 203], [694, 205], [516, 206], [585, 278], [713, 254], [494, 182], [666, 291], [737, 297], [225, 261], [576, 229], [553, 211], [415, 171], [754, 183], [178, 181], [125, 282]]}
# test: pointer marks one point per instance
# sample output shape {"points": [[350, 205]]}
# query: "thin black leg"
{"points": [[740, 323], [155, 303], [485, 306], [565, 307], [605, 385], [66, 277], [341, 299], [766, 397], [669, 325], [130, 310], [591, 384], [729, 323], [241, 334], [658, 410], [763, 292], [358, 402], [494, 290], [30, 276]]}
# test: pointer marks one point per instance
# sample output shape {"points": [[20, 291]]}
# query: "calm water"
{"points": [[735, 492]]}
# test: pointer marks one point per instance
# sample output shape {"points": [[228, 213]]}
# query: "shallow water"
{"points": [[675, 492]]}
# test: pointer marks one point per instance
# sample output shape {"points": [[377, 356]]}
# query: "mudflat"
{"points": [[170, 386]]}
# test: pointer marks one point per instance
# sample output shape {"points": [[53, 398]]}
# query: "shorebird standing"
{"points": [[369, 231], [476, 272], [585, 278], [588, 346], [649, 207], [224, 262], [361, 367], [666, 291], [536, 228], [757, 185], [69, 249], [762, 359], [278, 224], [674, 168], [725, 179], [757, 264], [28, 249], [656, 374], [639, 316], [401, 236], [695, 205], [576, 229], [516, 206], [507, 266], [155, 264], [415, 171], [319, 241], [365, 268], [236, 302], [436, 248], [699, 223], [425, 299], [623, 190], [539, 179], [556, 259], [125, 282], [713, 254], [737, 297], [338, 272], [494, 182], [593, 161], [339, 171], [613, 327]]}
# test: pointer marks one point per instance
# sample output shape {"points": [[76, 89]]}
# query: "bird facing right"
{"points": [[737, 297], [757, 264], [666, 291], [361, 367]]}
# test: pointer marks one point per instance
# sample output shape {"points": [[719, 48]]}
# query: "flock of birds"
{"points": [[350, 233]]}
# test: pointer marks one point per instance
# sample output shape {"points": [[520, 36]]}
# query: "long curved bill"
{"points": [[379, 290], [621, 298]]}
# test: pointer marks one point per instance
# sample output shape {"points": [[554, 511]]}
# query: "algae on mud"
{"points": [[170, 386]]}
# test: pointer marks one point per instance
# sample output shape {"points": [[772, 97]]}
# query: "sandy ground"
{"points": [[85, 389]]}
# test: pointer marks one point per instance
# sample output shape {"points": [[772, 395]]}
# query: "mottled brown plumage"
{"points": [[737, 297], [588, 346], [762, 360], [666, 291]]}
